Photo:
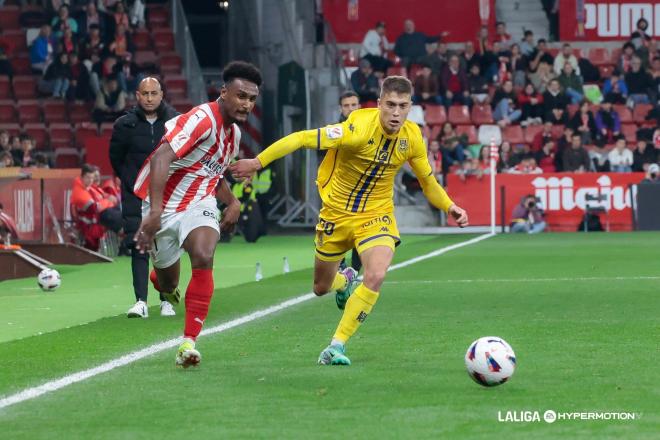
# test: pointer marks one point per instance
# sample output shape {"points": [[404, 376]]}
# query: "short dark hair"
{"points": [[397, 84], [87, 168], [347, 94], [242, 70], [528, 33], [541, 40]]}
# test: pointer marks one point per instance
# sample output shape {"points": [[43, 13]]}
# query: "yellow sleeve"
{"points": [[419, 162], [325, 138]]}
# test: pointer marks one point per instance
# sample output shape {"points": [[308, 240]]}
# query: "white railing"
{"points": [[186, 49]]}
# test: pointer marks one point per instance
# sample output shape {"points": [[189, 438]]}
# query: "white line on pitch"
{"points": [[54, 385], [526, 280]]}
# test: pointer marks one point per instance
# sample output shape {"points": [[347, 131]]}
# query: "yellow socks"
{"points": [[357, 309], [339, 283]]}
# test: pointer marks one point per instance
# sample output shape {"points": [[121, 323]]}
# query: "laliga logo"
{"points": [[558, 194], [620, 19]]}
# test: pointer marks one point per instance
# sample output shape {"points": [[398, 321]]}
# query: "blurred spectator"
{"points": [[541, 77], [6, 159], [546, 157], [501, 35], [435, 157], [129, 74], [640, 83], [506, 157], [120, 17], [584, 123], [6, 51], [426, 87], [375, 46], [40, 161], [563, 144], [543, 137], [41, 51], [566, 56], [520, 151], [348, 101], [526, 166], [110, 101], [79, 87], [505, 111], [364, 82], [442, 52], [452, 147], [63, 22], [4, 141], [608, 123], [554, 98], [527, 216], [483, 40], [67, 43], [655, 73], [57, 78], [615, 89], [527, 44], [621, 158], [576, 159], [477, 85], [558, 116], [101, 71], [640, 38], [92, 46], [531, 103], [137, 13], [571, 83], [644, 155], [410, 44], [539, 55], [652, 174], [15, 143], [23, 156], [518, 66], [600, 160], [453, 83], [625, 60], [469, 56], [433, 58], [122, 42], [90, 17]]}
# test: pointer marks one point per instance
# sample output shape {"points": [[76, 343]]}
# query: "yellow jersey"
{"points": [[357, 175]]}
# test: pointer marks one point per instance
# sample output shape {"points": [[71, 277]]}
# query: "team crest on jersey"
{"points": [[403, 145], [334, 132]]}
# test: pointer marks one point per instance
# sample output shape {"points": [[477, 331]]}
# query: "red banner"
{"points": [[606, 19], [562, 196]]}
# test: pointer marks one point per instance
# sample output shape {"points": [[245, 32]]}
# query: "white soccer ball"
{"points": [[49, 280], [490, 361]]}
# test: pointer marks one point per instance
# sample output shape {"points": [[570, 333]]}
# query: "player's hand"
{"points": [[230, 216], [459, 215], [144, 237], [245, 168]]}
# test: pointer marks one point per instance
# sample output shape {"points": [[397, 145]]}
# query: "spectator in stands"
{"points": [[79, 87], [122, 43], [541, 77], [576, 159], [518, 66], [640, 38], [120, 17], [364, 82], [137, 11], [101, 71], [435, 158], [490, 62], [483, 40], [608, 123], [427, 90], [453, 83], [542, 137], [477, 86], [452, 146], [469, 57], [505, 105], [652, 174], [640, 83], [442, 51], [6, 51], [625, 60], [14, 143], [621, 158], [129, 74], [5, 144], [566, 56], [531, 103], [506, 157], [57, 78], [546, 158], [410, 44], [571, 83], [67, 43], [520, 151], [599, 156], [527, 216], [539, 55], [615, 89], [501, 34], [40, 161], [584, 123], [41, 51], [91, 16], [526, 166], [527, 45], [433, 58], [554, 98], [655, 73], [375, 46], [63, 22], [110, 101], [644, 155], [92, 46], [348, 101], [6, 159], [23, 156]]}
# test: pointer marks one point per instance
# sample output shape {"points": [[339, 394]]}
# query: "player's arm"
{"points": [[435, 194], [233, 210]]}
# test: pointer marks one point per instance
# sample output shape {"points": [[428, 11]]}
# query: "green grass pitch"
{"points": [[580, 310]]}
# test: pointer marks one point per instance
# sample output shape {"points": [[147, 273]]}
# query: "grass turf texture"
{"points": [[582, 345]]}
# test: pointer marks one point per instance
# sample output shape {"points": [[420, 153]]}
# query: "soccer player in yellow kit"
{"points": [[358, 210]]}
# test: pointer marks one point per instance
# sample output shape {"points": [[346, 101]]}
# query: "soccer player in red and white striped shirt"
{"points": [[178, 183]]}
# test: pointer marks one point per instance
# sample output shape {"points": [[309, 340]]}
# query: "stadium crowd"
{"points": [[554, 109]]}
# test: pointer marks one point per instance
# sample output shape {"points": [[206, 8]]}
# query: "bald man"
{"points": [[134, 137]]}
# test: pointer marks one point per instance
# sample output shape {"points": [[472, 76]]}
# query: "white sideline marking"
{"points": [[525, 280], [54, 385]]}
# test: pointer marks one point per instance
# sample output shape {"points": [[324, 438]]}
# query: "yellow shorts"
{"points": [[339, 232]]}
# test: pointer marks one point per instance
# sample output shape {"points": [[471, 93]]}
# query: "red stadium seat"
{"points": [[640, 112], [79, 113], [17, 39], [5, 88], [170, 63], [106, 129], [181, 105], [55, 111], [400, 71], [83, 131], [469, 130], [38, 132], [530, 133], [606, 71], [142, 40], [21, 65], [599, 56], [14, 128], [28, 110], [415, 69], [624, 113], [146, 58], [459, 114], [67, 158], [7, 112], [61, 135], [157, 16], [630, 132], [435, 115], [164, 41], [558, 131], [9, 16], [482, 114], [513, 134], [616, 54], [349, 58], [176, 86], [25, 87]]}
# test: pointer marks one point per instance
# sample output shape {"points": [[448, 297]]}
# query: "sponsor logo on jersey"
{"points": [[403, 145], [334, 132]]}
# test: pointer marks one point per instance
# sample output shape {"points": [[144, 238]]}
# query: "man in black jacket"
{"points": [[134, 137]]}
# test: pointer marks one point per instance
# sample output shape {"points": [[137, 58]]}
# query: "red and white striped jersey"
{"points": [[204, 149]]}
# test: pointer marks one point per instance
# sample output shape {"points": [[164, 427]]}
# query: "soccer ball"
{"points": [[490, 361], [49, 280]]}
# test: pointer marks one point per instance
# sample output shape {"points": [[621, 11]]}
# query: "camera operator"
{"points": [[527, 216]]}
